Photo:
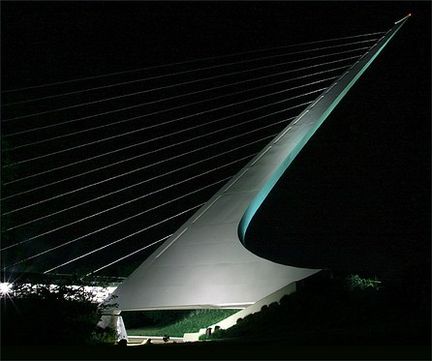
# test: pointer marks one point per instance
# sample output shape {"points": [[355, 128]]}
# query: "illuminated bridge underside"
{"points": [[205, 264]]}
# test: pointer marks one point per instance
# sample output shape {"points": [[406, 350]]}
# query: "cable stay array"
{"points": [[150, 152], [140, 130], [242, 62], [123, 72], [100, 170], [140, 105]]}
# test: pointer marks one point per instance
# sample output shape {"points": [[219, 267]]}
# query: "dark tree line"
{"points": [[52, 315]]}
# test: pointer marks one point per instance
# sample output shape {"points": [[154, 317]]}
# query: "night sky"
{"points": [[357, 197]]}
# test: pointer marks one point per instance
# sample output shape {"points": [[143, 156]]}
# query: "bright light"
{"points": [[5, 288], [99, 293]]}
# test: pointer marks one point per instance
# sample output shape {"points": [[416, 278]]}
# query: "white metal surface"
{"points": [[205, 264]]}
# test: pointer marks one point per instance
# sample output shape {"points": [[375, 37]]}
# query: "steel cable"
{"points": [[135, 170], [117, 260], [184, 62], [82, 145], [180, 96], [98, 101], [135, 185], [164, 88], [159, 149], [132, 146]]}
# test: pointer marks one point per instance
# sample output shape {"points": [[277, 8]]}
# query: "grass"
{"points": [[186, 322]]}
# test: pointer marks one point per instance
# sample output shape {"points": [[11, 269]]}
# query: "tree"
{"points": [[52, 315]]}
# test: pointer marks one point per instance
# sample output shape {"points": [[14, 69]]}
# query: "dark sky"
{"points": [[359, 189], [358, 195], [55, 40]]}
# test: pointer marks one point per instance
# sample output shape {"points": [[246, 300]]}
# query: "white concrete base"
{"points": [[114, 321]]}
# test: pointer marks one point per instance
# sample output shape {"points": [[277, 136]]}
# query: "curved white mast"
{"points": [[204, 264]]}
